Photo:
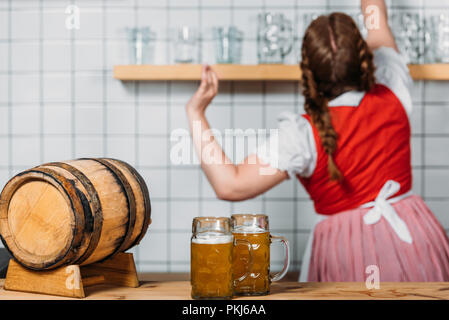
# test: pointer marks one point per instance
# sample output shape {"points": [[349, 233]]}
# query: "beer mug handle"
{"points": [[288, 45], [250, 264], [284, 241]]}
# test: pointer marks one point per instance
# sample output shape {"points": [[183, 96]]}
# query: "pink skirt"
{"points": [[343, 246]]}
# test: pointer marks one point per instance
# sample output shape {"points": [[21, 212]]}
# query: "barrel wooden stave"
{"points": [[141, 194], [113, 204]]}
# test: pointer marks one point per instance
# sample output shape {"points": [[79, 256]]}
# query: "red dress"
{"points": [[373, 147], [403, 239]]}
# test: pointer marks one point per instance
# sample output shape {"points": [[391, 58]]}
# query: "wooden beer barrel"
{"points": [[73, 212]]}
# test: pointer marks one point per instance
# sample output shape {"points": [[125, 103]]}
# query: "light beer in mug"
{"points": [[254, 229], [211, 255], [258, 280], [211, 267]]}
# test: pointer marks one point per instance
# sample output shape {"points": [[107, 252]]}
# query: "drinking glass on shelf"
{"points": [[185, 44], [228, 44], [211, 260], [141, 45], [409, 35], [437, 38]]}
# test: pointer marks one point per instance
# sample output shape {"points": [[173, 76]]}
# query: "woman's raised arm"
{"points": [[376, 21], [229, 181]]}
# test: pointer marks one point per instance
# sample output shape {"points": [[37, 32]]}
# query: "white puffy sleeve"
{"points": [[392, 71], [291, 147]]}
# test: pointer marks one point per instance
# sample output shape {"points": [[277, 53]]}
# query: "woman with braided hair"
{"points": [[351, 152]]}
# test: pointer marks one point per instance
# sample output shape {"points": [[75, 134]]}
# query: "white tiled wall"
{"points": [[58, 100]]}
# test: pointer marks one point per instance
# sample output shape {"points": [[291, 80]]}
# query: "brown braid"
{"points": [[367, 79], [316, 106], [332, 65]]}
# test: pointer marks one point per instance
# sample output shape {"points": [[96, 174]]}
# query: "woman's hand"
{"points": [[381, 35], [206, 92]]}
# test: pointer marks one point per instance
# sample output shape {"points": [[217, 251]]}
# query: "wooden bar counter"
{"points": [[177, 287]]}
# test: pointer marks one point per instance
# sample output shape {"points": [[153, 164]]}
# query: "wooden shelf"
{"points": [[260, 72], [437, 71]]}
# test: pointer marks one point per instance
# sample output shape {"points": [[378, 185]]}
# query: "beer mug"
{"points": [[408, 33], [274, 37], [211, 267], [254, 229], [437, 38]]}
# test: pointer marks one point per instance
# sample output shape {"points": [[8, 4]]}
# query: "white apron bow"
{"points": [[382, 207]]}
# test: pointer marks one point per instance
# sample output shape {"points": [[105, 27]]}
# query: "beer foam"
{"points": [[212, 238], [249, 229]]}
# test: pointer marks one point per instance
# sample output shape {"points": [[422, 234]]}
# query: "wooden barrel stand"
{"points": [[67, 225], [71, 280]]}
